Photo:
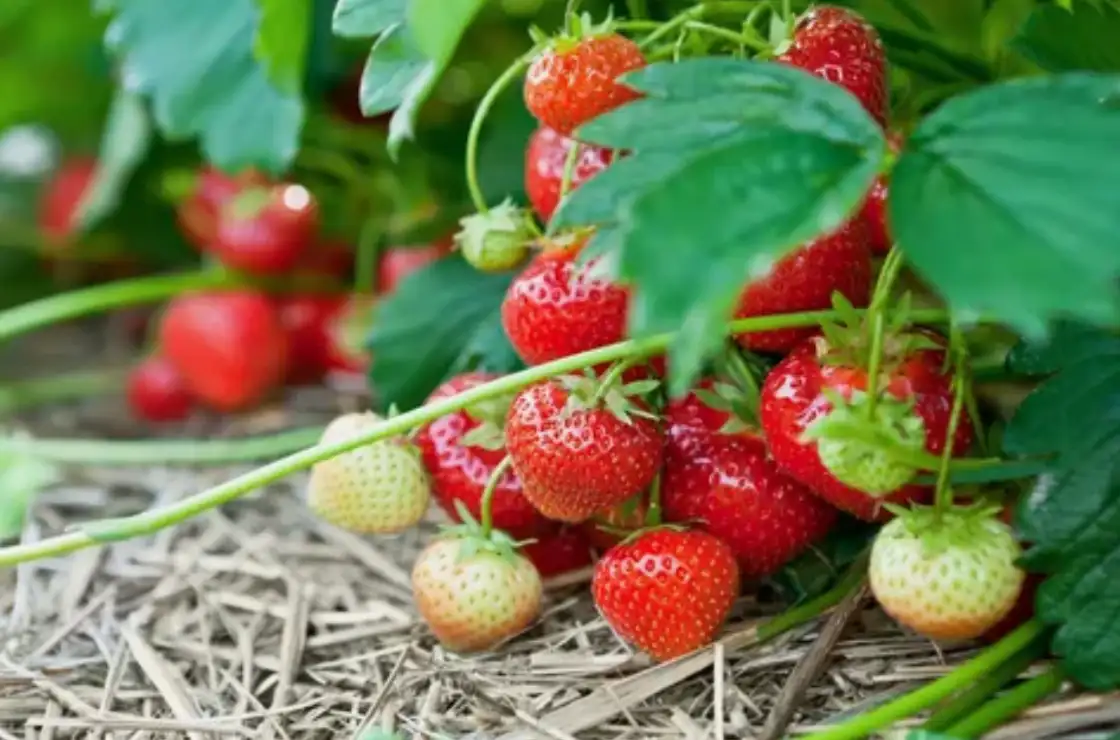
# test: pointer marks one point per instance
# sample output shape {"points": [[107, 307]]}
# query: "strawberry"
{"points": [[804, 280], [607, 527], [308, 323], [733, 490], [475, 592], [796, 395], [266, 231], [667, 592], [198, 214], [156, 392], [574, 80], [460, 465], [397, 263], [328, 258], [560, 552], [59, 202], [378, 488], [347, 329], [949, 575], [838, 45], [545, 160], [575, 455], [874, 213], [229, 346], [556, 308], [496, 240]]}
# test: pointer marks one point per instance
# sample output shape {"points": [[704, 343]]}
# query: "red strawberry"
{"points": [[397, 263], [460, 470], [58, 205], [627, 517], [667, 592], [794, 397], [575, 457], [156, 392], [874, 212], [198, 214], [574, 80], [229, 346], [308, 325], [266, 231], [804, 280], [840, 46], [728, 483], [545, 159], [559, 553], [556, 308], [331, 258]]}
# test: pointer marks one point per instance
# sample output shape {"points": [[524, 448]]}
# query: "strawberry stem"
{"points": [[480, 113], [365, 261], [610, 379], [487, 504], [637, 8], [887, 275], [653, 510], [743, 40], [943, 497], [154, 520], [25, 393], [569, 169], [695, 13], [866, 724], [1010, 704]]}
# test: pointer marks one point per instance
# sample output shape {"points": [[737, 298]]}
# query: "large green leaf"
{"points": [[438, 25], [366, 18], [393, 68], [195, 59], [125, 141], [1083, 38], [283, 37], [441, 319], [1072, 518], [1007, 200], [735, 164]]}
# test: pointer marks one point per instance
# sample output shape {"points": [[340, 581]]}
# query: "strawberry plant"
{"points": [[708, 294]]}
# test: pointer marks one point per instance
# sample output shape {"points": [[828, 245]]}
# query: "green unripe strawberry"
{"points": [[947, 577], [496, 240], [855, 445], [475, 592], [379, 488]]}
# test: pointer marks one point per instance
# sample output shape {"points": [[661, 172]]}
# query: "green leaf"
{"points": [[1072, 517], [1049, 355], [438, 25], [736, 163], [1059, 40], [817, 570], [441, 319], [1007, 200], [366, 18], [195, 60], [127, 137], [393, 66], [283, 37]]}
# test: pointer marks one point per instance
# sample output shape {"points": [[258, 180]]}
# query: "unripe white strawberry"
{"points": [[379, 488], [474, 595], [950, 577], [496, 240]]}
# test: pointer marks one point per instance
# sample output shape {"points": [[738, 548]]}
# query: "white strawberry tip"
{"points": [[865, 452]]}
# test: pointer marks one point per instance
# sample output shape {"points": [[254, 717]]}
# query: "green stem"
{"points": [[891, 266], [637, 25], [365, 261], [136, 291], [812, 609], [480, 114], [866, 724], [569, 169], [653, 509], [694, 13], [21, 394], [739, 39], [164, 452], [154, 520], [1010, 704], [610, 378], [487, 503], [964, 703], [943, 494], [637, 9], [788, 17]]}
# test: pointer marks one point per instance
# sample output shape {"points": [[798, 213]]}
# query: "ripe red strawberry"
{"points": [[545, 159], [574, 456], [667, 592], [198, 214], [794, 397], [948, 576], [266, 231], [474, 595], [840, 46], [729, 486], [229, 346], [460, 470], [556, 308], [378, 488], [561, 552], [874, 212], [156, 392], [804, 280], [330, 258], [309, 324], [59, 202], [397, 263], [575, 79]]}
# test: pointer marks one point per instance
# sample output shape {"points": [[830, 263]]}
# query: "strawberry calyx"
{"points": [[490, 416], [868, 447], [960, 526], [848, 338], [497, 239], [577, 27], [473, 539], [734, 392], [249, 203], [588, 392], [644, 530]]}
